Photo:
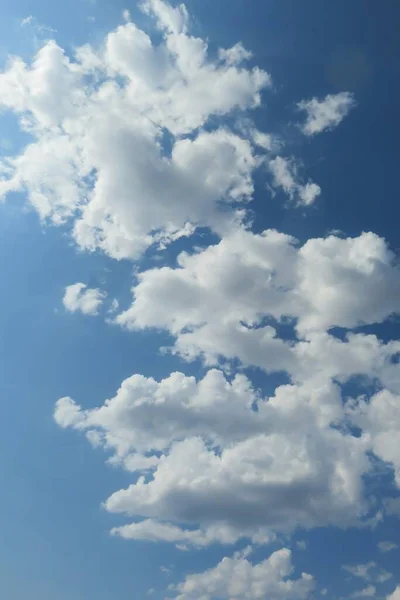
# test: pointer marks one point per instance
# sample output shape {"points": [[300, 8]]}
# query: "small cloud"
{"points": [[367, 592], [387, 546], [368, 572], [40, 32], [301, 545], [114, 306], [266, 141], [79, 298], [26, 21], [362, 571], [309, 192], [126, 15], [285, 176], [336, 233], [383, 576], [325, 114]]}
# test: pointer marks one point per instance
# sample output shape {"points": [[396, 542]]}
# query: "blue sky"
{"points": [[297, 138]]}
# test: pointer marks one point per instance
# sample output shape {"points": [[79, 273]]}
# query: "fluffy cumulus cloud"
{"points": [[327, 113], [118, 147], [237, 578], [216, 301], [79, 298], [218, 461], [395, 595], [222, 461]]}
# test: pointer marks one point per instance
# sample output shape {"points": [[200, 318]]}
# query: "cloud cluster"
{"points": [[216, 460], [131, 146]]}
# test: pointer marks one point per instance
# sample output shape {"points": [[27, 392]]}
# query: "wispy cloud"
{"points": [[327, 113]]}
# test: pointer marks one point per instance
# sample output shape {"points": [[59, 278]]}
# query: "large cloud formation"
{"points": [[130, 146], [214, 302], [101, 123], [221, 455]]}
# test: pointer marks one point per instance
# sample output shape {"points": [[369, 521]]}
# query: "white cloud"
{"points": [[362, 571], [387, 546], [285, 175], [166, 570], [327, 113], [79, 298], [217, 464], [309, 192], [173, 19], [380, 416], [261, 139], [215, 301], [37, 27], [237, 578], [235, 55], [368, 572], [151, 530], [114, 306], [258, 482], [383, 576], [395, 595], [302, 545], [367, 592], [26, 21], [118, 148], [130, 147]]}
